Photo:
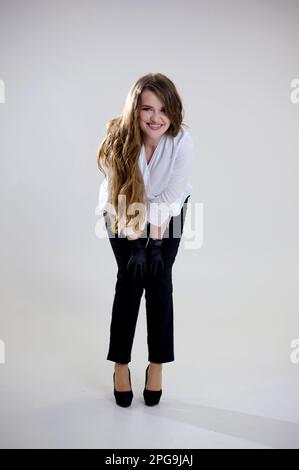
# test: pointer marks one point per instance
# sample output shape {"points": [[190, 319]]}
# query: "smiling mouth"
{"points": [[154, 127]]}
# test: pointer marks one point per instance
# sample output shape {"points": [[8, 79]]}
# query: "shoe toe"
{"points": [[124, 399], [151, 397]]}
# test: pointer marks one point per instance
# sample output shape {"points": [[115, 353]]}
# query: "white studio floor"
{"points": [[57, 387]]}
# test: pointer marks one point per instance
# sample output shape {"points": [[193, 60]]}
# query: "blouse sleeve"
{"points": [[160, 207]]}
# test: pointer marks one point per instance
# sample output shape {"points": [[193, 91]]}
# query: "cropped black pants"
{"points": [[158, 297]]}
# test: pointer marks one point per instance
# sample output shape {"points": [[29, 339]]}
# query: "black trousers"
{"points": [[158, 297]]}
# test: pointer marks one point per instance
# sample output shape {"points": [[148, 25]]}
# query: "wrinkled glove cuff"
{"points": [[136, 244], [155, 242]]}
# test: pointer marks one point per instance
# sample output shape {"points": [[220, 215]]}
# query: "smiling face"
{"points": [[152, 118]]}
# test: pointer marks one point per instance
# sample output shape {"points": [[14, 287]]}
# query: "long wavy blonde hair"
{"points": [[119, 151]]}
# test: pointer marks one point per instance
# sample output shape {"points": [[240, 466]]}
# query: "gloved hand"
{"points": [[155, 255], [137, 261]]}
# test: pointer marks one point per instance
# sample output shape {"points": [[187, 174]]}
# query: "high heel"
{"points": [[124, 398], [151, 397]]}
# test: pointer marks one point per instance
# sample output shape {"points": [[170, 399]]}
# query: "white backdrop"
{"points": [[66, 68]]}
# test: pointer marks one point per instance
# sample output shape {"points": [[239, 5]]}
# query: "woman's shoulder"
{"points": [[183, 136]]}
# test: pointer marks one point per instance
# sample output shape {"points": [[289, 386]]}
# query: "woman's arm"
{"points": [[157, 231], [171, 194], [180, 175], [134, 237]]}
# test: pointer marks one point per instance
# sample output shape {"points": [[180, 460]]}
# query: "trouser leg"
{"points": [[159, 316], [159, 296], [126, 303], [125, 310]]}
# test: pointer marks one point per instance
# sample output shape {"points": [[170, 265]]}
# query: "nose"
{"points": [[155, 120]]}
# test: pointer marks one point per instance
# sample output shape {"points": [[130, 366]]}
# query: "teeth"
{"points": [[154, 127]]}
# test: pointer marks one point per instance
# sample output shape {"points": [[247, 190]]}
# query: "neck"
{"points": [[150, 143]]}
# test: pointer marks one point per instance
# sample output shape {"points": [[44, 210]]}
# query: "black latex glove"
{"points": [[155, 255], [137, 261]]}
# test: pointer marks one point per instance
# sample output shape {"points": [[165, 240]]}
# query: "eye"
{"points": [[145, 109]]}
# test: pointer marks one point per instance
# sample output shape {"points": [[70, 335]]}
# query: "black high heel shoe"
{"points": [[124, 398], [151, 397]]}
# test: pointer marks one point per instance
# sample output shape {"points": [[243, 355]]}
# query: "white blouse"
{"points": [[166, 179]]}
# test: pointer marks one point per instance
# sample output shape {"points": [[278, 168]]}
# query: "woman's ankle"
{"points": [[119, 365], [156, 365]]}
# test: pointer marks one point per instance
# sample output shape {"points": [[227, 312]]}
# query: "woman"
{"points": [[146, 157]]}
